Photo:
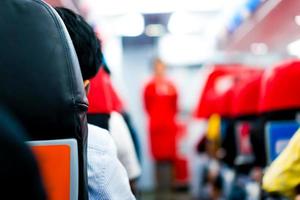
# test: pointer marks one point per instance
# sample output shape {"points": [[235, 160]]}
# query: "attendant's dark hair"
{"points": [[85, 41]]}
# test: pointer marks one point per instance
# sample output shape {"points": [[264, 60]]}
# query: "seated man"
{"points": [[107, 178]]}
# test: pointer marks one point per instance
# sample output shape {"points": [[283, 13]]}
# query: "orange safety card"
{"points": [[54, 163]]}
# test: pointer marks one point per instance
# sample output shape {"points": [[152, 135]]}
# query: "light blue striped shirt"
{"points": [[107, 178]]}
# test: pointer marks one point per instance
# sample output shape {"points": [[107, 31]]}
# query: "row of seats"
{"points": [[239, 93], [258, 110]]}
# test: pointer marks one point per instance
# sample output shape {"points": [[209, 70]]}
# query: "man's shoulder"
{"points": [[100, 139], [96, 129], [116, 119]]}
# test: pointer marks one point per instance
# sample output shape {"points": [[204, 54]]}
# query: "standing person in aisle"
{"points": [[160, 101]]}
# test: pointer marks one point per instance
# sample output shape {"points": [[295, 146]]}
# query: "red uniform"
{"points": [[160, 97]]}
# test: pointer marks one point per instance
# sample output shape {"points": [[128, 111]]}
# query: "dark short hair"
{"points": [[85, 41]]}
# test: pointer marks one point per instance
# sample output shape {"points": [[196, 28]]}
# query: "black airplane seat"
{"points": [[40, 78], [20, 177]]}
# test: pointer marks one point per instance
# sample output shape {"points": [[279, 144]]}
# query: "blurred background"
{"points": [[188, 36]]}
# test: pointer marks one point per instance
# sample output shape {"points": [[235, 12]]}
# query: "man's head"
{"points": [[85, 41], [159, 68]]}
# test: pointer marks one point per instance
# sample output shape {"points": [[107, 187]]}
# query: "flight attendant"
{"points": [[160, 99]]}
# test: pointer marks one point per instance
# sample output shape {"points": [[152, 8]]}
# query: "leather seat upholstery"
{"points": [[40, 78], [20, 177]]}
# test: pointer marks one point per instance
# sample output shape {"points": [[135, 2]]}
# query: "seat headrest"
{"points": [[246, 96], [100, 97], [207, 100], [40, 78], [117, 103], [223, 102], [218, 91], [280, 87]]}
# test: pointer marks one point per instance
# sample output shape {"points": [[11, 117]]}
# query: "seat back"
{"points": [[58, 163], [243, 142], [258, 133], [20, 177], [278, 134], [40, 78], [228, 141]]}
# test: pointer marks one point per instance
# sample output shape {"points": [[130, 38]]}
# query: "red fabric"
{"points": [[99, 96], [280, 87], [219, 88], [160, 99], [223, 103], [181, 171], [208, 99], [117, 103], [246, 96], [181, 161]]}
